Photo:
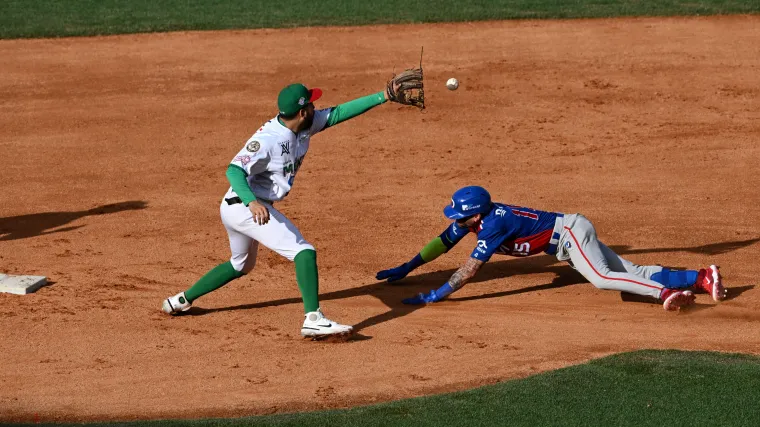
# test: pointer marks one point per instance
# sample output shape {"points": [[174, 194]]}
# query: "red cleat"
{"points": [[709, 280], [674, 299]]}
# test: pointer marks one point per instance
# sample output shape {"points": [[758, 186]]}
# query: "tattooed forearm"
{"points": [[464, 274], [457, 280]]}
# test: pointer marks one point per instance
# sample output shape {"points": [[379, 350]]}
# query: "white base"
{"points": [[21, 285]]}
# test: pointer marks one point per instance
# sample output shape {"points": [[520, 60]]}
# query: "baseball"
{"points": [[452, 84]]}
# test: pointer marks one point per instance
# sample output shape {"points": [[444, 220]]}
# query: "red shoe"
{"points": [[709, 280], [674, 299]]}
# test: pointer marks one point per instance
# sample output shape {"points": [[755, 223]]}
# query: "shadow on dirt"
{"points": [[711, 249], [24, 226], [391, 294], [732, 293], [693, 308]]}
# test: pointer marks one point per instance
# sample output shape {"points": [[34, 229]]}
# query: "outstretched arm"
{"points": [[351, 109], [435, 248], [465, 273], [457, 281], [356, 107]]}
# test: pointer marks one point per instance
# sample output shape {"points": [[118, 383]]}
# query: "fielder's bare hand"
{"points": [[260, 212]]}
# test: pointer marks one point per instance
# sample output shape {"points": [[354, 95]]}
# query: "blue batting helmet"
{"points": [[468, 201]]}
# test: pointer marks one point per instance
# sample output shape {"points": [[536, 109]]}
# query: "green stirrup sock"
{"points": [[308, 279], [214, 279]]}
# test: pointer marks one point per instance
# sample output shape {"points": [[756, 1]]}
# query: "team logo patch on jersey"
{"points": [[568, 245], [243, 159], [253, 146]]}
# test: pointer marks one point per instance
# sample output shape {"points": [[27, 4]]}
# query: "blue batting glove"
{"points": [[393, 274], [422, 299], [432, 296]]}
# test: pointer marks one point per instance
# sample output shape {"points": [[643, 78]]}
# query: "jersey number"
{"points": [[525, 214], [522, 248]]}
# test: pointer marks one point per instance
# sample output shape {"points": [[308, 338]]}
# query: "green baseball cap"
{"points": [[296, 96]]}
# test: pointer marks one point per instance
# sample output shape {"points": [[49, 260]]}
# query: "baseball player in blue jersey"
{"points": [[519, 231]]}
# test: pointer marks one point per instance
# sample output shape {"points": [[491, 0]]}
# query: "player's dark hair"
{"points": [[289, 116], [292, 116]]}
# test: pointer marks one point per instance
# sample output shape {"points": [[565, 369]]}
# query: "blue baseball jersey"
{"points": [[508, 230]]}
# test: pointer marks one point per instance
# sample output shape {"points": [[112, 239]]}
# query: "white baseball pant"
{"points": [[279, 235], [599, 264]]}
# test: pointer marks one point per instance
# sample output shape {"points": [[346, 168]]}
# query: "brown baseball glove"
{"points": [[407, 88]]}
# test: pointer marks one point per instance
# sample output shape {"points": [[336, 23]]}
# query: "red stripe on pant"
{"points": [[577, 245]]}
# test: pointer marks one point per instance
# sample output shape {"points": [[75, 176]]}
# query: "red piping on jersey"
{"points": [[539, 242], [600, 274]]}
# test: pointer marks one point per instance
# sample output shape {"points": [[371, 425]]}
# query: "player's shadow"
{"points": [[391, 294], [734, 292], [731, 293], [711, 249], [24, 226]]}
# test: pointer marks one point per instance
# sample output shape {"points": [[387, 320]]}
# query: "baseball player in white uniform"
{"points": [[262, 174]]}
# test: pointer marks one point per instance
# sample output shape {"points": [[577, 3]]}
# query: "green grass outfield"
{"points": [[643, 388], [55, 18]]}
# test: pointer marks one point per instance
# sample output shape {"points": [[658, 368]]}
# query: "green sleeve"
{"points": [[351, 109], [237, 178], [433, 250]]}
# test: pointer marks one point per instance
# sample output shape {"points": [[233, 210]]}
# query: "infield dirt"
{"points": [[114, 151]]}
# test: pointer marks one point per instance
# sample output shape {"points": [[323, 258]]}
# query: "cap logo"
{"points": [[302, 101]]}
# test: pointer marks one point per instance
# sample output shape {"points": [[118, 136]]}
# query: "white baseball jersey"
{"points": [[273, 155]]}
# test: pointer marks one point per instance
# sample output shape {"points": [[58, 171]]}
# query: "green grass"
{"points": [[55, 18], [644, 388]]}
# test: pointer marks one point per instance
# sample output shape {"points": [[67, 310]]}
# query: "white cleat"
{"points": [[176, 304], [317, 325]]}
